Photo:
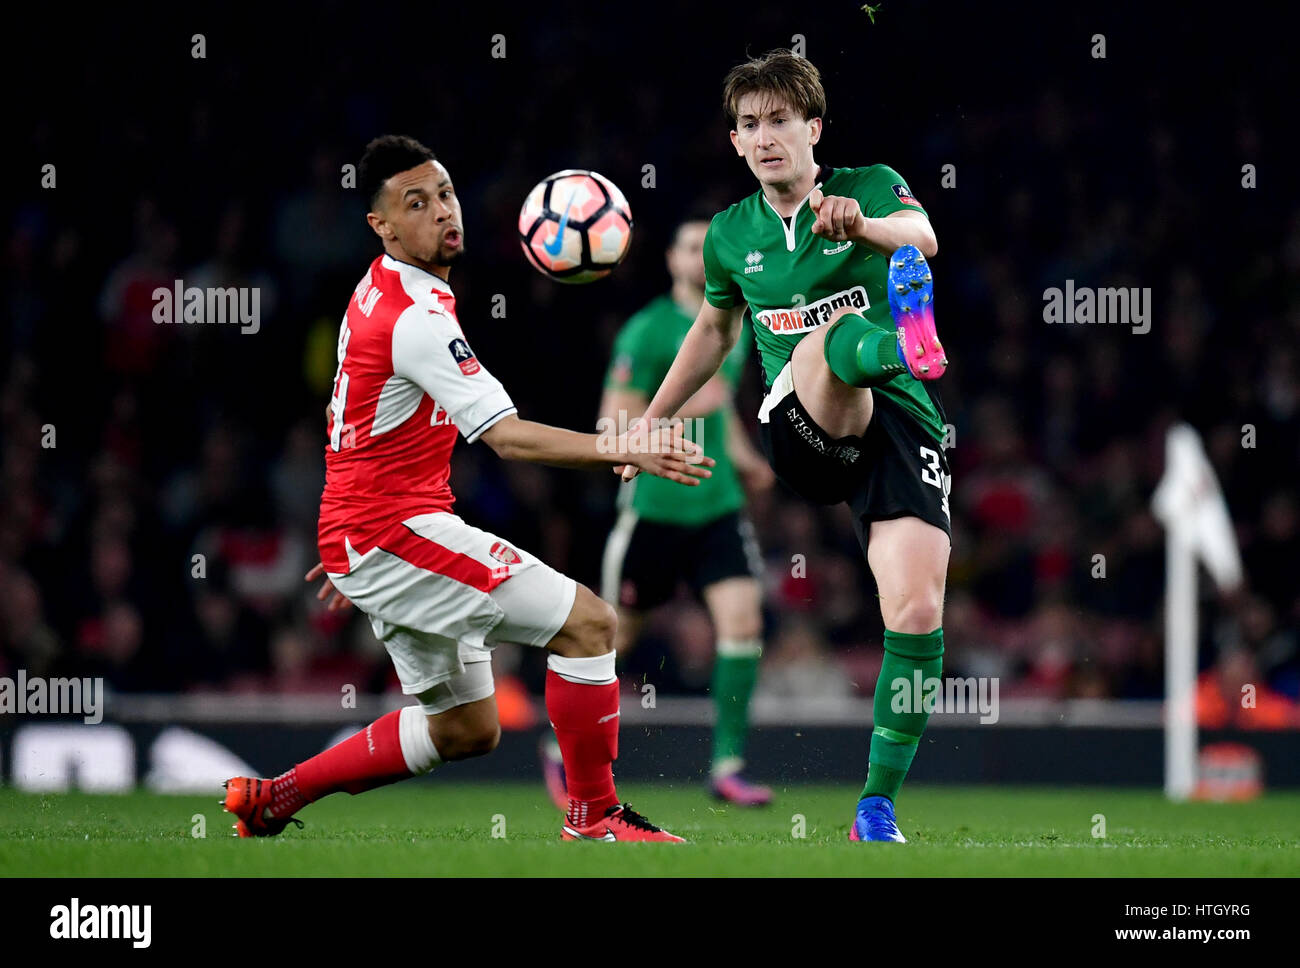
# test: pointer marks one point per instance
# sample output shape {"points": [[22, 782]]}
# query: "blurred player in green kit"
{"points": [[701, 537]]}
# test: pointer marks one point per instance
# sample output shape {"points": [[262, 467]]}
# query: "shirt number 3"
{"points": [[932, 473]]}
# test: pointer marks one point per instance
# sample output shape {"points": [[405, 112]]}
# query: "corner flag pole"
{"points": [[1189, 502], [1180, 665]]}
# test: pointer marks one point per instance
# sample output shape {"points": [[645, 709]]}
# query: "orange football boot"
{"points": [[248, 799], [620, 823]]}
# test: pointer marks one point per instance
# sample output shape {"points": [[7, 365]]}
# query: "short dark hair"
{"points": [[780, 74], [695, 214], [384, 158]]}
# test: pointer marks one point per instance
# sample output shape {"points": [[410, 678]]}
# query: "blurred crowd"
{"points": [[159, 484]]}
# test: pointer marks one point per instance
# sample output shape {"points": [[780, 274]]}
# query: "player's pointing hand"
{"points": [[838, 218]]}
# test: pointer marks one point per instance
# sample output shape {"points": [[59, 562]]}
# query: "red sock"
{"points": [[371, 758], [585, 718]]}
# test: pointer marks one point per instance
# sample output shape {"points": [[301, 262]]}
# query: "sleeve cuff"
{"points": [[483, 413], [901, 208]]}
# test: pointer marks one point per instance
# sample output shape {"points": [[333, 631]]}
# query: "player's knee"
{"points": [[465, 741], [485, 741], [602, 627], [591, 628], [740, 628], [809, 351], [918, 614]]}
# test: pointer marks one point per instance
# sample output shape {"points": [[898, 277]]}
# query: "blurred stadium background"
{"points": [[177, 441]]}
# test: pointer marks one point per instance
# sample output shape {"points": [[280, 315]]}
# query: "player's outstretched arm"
{"points": [[661, 451], [622, 406], [707, 343]]}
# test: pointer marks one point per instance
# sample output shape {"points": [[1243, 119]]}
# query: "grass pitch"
{"points": [[433, 828]]}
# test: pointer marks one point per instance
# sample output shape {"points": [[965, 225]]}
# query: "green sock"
{"points": [[734, 673], [898, 712], [860, 353]]}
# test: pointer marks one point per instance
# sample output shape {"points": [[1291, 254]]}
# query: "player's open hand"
{"points": [[628, 471], [335, 602], [838, 218], [664, 452]]}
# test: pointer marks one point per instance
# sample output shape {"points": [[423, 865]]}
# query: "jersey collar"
{"points": [[397, 265], [788, 229]]}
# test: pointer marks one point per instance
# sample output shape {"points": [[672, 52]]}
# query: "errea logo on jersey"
{"points": [[800, 319], [753, 262]]}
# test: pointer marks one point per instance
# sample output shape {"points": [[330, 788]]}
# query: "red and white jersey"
{"points": [[406, 386]]}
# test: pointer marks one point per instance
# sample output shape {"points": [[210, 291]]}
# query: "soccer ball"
{"points": [[575, 226]]}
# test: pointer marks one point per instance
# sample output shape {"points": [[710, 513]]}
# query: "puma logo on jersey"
{"points": [[800, 319]]}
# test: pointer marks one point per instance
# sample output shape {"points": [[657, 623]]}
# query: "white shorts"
{"points": [[440, 593]]}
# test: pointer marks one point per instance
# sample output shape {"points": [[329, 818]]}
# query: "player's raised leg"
{"points": [[734, 605], [835, 364], [909, 559]]}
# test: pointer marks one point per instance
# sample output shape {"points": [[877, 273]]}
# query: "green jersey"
{"points": [[643, 352], [793, 280]]}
